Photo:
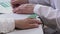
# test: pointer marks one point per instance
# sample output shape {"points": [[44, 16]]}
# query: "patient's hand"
{"points": [[27, 23], [16, 3]]}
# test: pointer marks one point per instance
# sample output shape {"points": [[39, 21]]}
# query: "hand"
{"points": [[24, 9], [16, 3], [27, 23]]}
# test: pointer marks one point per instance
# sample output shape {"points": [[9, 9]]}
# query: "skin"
{"points": [[27, 23], [22, 7], [16, 3]]}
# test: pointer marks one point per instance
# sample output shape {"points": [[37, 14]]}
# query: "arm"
{"points": [[49, 15], [9, 24]]}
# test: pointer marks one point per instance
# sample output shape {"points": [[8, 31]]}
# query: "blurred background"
{"points": [[5, 6]]}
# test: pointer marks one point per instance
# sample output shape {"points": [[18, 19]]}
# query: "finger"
{"points": [[34, 25], [32, 21], [19, 12], [16, 10], [38, 21]]}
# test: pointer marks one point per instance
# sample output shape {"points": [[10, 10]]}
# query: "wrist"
{"points": [[18, 23]]}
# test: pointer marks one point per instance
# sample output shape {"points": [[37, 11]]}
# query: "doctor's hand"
{"points": [[24, 9], [27, 23]]}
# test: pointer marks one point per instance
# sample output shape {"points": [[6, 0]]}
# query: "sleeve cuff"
{"points": [[42, 10], [37, 9], [6, 25]]}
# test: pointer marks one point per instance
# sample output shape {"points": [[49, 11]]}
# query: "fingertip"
{"points": [[34, 25], [39, 22]]}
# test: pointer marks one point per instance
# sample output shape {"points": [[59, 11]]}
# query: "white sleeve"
{"points": [[6, 25], [43, 2], [49, 15]]}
